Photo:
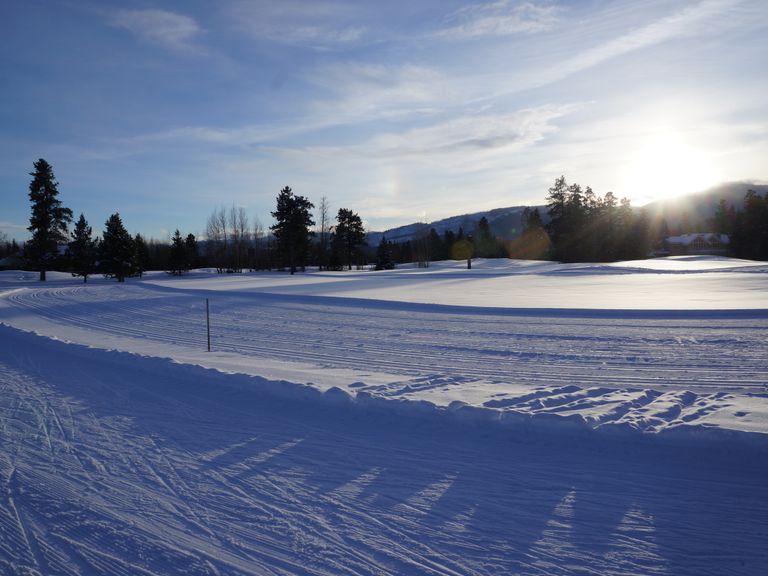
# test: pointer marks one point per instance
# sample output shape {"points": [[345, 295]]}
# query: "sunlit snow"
{"points": [[516, 418]]}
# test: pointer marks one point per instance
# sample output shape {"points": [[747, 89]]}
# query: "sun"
{"points": [[665, 166]]}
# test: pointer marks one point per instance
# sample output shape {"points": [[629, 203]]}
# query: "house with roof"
{"points": [[708, 243]]}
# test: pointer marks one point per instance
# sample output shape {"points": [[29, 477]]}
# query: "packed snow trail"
{"points": [[113, 463], [649, 371], [533, 349]]}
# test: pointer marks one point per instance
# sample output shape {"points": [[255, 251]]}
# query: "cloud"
{"points": [[453, 145], [318, 25], [690, 21], [13, 230], [472, 134], [355, 92], [175, 32], [500, 18]]}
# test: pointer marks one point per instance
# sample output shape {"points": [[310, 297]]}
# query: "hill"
{"points": [[699, 207], [696, 209], [504, 223]]}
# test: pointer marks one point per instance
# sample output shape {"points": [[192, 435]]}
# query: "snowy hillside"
{"points": [[518, 418], [504, 223]]}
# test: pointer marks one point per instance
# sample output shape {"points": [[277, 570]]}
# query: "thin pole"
{"points": [[208, 323]]}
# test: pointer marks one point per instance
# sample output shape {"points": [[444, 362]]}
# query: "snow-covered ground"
{"points": [[518, 418]]}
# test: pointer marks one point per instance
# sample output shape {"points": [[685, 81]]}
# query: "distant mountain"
{"points": [[505, 223], [699, 207]]}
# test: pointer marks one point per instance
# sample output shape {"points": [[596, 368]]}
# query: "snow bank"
{"points": [[630, 414]]}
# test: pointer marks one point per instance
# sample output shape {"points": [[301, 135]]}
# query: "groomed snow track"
{"points": [[455, 440], [114, 463]]}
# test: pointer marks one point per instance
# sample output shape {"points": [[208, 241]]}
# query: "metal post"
{"points": [[471, 252], [208, 323]]}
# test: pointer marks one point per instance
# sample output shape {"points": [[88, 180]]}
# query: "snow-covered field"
{"points": [[518, 418]]}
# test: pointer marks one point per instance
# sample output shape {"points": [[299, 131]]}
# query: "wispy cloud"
{"points": [[175, 32], [354, 92], [12, 229], [688, 22], [472, 133], [500, 18], [319, 25]]}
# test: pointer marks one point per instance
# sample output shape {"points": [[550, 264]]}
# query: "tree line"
{"points": [[116, 254], [586, 227], [231, 244], [296, 240], [580, 226], [747, 227]]}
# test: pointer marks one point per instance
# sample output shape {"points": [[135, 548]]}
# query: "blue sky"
{"points": [[401, 110]]}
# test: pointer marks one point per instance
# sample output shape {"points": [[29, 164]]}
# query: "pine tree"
{"points": [[750, 228], [118, 254], [349, 236], [384, 255], [49, 219], [178, 257], [533, 243], [584, 227], [291, 228], [190, 242], [143, 259], [485, 242], [435, 246], [82, 250]]}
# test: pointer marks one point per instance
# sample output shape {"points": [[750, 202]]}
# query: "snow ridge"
{"points": [[674, 415]]}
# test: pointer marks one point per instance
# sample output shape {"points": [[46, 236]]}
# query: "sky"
{"points": [[402, 111]]}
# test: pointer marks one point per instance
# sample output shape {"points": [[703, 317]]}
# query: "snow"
{"points": [[519, 417], [679, 283]]}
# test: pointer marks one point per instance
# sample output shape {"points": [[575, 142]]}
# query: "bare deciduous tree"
{"points": [[240, 236], [218, 239], [323, 231], [257, 261]]}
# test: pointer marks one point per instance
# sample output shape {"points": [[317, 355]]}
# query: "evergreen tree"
{"points": [[117, 254], [584, 227], [435, 246], [49, 219], [349, 236], [750, 228], [720, 222], [291, 228], [485, 242], [531, 219], [193, 257], [178, 257], [82, 250], [449, 239], [143, 258], [533, 242], [384, 255]]}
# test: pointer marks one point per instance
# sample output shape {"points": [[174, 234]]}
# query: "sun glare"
{"points": [[665, 166]]}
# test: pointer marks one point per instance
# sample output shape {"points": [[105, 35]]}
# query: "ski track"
{"points": [[646, 373], [123, 465], [176, 475], [676, 354]]}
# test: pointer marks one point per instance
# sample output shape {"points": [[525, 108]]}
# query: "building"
{"points": [[698, 243]]}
